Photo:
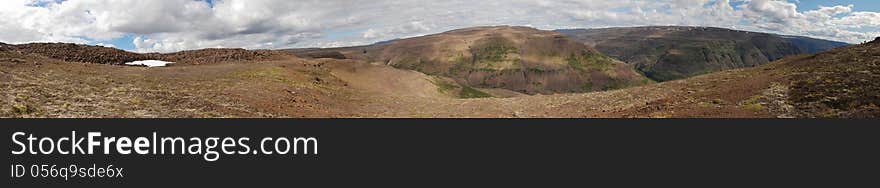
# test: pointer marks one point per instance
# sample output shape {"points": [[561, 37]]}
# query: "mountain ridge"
{"points": [[674, 52]]}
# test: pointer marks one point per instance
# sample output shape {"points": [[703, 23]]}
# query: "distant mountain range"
{"points": [[673, 52]]}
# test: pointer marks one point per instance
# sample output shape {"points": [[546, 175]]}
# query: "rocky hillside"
{"points": [[669, 53], [105, 55], [80, 53], [521, 59], [839, 83], [206, 56]]}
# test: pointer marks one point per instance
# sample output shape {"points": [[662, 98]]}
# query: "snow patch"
{"points": [[149, 63]]}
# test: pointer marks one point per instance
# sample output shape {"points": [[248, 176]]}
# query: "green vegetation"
{"points": [[459, 64], [757, 107], [495, 53], [538, 70], [468, 92], [443, 86], [465, 93], [419, 66], [459, 59], [616, 83], [590, 61], [494, 50], [587, 87], [645, 80], [21, 109], [21, 96], [754, 103], [550, 53], [483, 57]]}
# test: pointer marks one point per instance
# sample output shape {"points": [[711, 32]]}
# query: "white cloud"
{"points": [[773, 11], [860, 19], [171, 25]]}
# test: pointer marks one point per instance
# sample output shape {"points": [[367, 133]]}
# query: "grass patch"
{"points": [[443, 86], [587, 87], [494, 50], [469, 92], [21, 109], [753, 103], [705, 104], [757, 107], [645, 80], [590, 61], [22, 96]]}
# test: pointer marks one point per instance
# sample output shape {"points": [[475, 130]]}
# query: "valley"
{"points": [[666, 53]]}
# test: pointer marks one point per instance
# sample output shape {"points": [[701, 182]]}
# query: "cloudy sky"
{"points": [[172, 25]]}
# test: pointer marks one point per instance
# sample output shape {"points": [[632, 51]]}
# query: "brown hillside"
{"points": [[105, 55], [80, 53], [213, 55], [515, 58], [839, 83]]}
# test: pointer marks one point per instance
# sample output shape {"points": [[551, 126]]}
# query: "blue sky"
{"points": [[173, 25], [859, 5]]}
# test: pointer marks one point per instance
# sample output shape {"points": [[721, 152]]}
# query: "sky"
{"points": [[174, 25]]}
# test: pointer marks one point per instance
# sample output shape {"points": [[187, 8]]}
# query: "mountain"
{"points": [[672, 52], [520, 59]]}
